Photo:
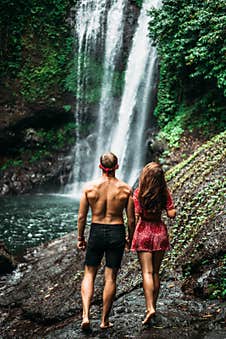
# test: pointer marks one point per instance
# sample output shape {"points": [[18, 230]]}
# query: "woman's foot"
{"points": [[85, 325], [106, 324], [149, 315]]}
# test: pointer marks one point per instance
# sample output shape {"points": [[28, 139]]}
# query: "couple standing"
{"points": [[108, 197]]}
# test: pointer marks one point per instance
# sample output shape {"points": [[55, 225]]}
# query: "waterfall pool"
{"points": [[28, 220]]}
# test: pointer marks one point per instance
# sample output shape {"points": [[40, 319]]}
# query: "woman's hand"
{"points": [[127, 244], [171, 213]]}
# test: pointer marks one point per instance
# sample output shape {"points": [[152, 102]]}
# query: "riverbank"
{"points": [[42, 299], [42, 296]]}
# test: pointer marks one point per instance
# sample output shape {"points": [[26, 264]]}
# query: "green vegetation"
{"points": [[197, 185], [190, 39], [218, 289], [94, 74], [56, 139], [36, 46], [138, 3], [11, 163], [38, 58], [47, 143]]}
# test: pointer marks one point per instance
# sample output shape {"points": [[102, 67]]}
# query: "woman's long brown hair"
{"points": [[152, 188]]}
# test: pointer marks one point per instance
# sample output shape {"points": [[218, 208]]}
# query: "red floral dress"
{"points": [[150, 235]]}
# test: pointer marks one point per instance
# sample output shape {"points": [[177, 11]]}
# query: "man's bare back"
{"points": [[107, 197]]}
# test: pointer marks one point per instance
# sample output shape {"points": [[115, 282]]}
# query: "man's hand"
{"points": [[81, 245]]}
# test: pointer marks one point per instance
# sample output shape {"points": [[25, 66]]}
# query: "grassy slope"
{"points": [[198, 186]]}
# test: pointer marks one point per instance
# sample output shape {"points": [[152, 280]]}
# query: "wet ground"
{"points": [[176, 318], [41, 299]]}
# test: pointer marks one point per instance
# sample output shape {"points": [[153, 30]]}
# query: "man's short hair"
{"points": [[109, 160]]}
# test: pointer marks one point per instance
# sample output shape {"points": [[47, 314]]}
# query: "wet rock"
{"points": [[31, 137], [4, 190], [205, 278], [54, 169], [42, 298], [7, 261]]}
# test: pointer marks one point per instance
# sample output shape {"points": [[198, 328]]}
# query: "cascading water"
{"points": [[119, 128], [87, 30], [129, 137], [112, 49], [89, 33]]}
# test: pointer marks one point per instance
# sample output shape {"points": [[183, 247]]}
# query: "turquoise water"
{"points": [[26, 221]]}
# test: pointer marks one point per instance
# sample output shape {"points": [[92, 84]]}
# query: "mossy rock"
{"points": [[198, 188]]}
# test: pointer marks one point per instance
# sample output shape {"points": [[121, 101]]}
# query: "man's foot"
{"points": [[85, 325], [106, 324], [149, 315]]}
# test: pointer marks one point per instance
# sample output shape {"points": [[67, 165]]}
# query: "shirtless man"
{"points": [[108, 197]]}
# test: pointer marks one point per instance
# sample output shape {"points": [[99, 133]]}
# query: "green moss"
{"points": [[210, 149], [199, 190], [217, 290], [94, 76], [138, 3]]}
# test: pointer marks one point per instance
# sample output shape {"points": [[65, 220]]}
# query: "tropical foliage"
{"points": [[190, 37], [36, 45]]}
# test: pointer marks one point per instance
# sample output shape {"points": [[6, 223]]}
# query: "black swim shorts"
{"points": [[108, 240]]}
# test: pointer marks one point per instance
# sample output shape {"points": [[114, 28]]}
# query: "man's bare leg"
{"points": [[145, 259], [110, 275], [157, 257], [87, 290]]}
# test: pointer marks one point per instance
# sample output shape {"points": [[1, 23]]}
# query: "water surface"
{"points": [[26, 221]]}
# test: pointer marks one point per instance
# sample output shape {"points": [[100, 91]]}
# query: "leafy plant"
{"points": [[138, 2], [190, 40], [36, 46], [11, 163]]}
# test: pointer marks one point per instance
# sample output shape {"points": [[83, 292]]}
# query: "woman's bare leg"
{"points": [[145, 259], [87, 290], [157, 257]]}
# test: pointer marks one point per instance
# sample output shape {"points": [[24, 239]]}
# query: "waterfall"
{"points": [[129, 135], [89, 33], [112, 49], [119, 127], [91, 24]]}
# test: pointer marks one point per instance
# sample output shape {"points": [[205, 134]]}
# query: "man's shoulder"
{"points": [[124, 185], [90, 185]]}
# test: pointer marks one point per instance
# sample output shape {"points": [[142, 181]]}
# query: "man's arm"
{"points": [[82, 215], [130, 218]]}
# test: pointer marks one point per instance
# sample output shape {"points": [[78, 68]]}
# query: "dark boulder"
{"points": [[7, 261]]}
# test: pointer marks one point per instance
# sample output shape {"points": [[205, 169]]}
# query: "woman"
{"points": [[150, 237]]}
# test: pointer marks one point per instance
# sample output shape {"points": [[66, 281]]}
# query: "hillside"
{"points": [[198, 233]]}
